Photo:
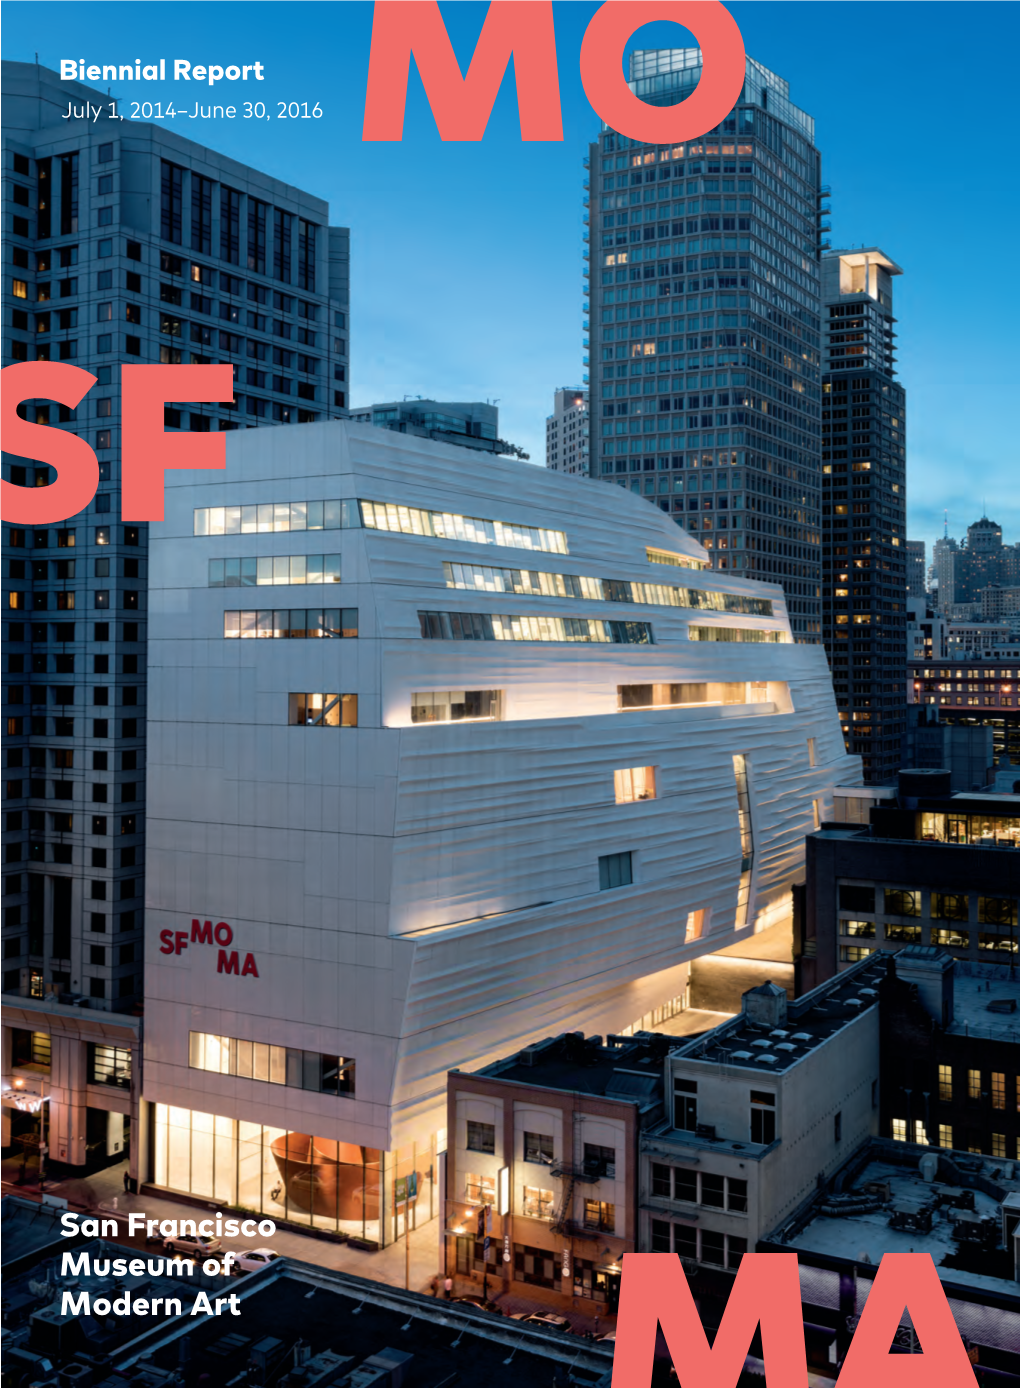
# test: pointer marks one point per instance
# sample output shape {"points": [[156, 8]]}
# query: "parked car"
{"points": [[252, 1259], [546, 1318], [193, 1246], [610, 1336], [478, 1301]]}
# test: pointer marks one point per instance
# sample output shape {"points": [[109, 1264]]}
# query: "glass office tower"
{"points": [[705, 375]]}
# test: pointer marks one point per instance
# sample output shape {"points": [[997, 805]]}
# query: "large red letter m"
{"points": [[654, 1292], [462, 106]]}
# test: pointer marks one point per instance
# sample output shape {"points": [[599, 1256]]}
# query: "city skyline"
{"points": [[411, 317]]}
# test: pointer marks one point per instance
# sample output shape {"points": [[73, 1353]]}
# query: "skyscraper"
{"points": [[566, 432], [944, 555], [917, 555], [126, 243], [864, 574], [984, 559], [705, 383]]}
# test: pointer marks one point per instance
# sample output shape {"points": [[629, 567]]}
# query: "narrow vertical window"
{"points": [[282, 224], [230, 225], [68, 194], [306, 255], [257, 235], [201, 214], [171, 199], [746, 839]]}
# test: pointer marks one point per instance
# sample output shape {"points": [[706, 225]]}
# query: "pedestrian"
{"points": [[127, 1181], [448, 1288], [485, 1287], [435, 1286], [596, 1322]]}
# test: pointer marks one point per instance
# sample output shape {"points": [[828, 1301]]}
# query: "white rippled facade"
{"points": [[423, 896]]}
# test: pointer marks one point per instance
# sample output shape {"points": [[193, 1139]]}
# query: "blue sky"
{"points": [[466, 258]]}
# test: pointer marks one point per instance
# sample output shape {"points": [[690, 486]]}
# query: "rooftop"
{"points": [[797, 1028], [889, 1207], [626, 1069], [290, 1312], [986, 1001]]}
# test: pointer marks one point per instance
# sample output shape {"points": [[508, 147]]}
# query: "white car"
{"points": [[547, 1318], [251, 1259], [193, 1246]]}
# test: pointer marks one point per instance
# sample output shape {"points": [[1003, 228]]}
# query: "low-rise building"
{"points": [[931, 868], [894, 1197], [758, 1112], [542, 1167]]}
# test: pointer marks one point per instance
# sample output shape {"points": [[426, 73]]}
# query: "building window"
{"points": [[324, 710], [998, 1091], [538, 1204], [998, 1145], [854, 898], [538, 1148], [956, 939], [443, 706], [292, 623], [948, 906], [902, 903], [481, 1137], [599, 1161], [946, 1084], [945, 1135], [278, 570], [905, 934], [171, 196], [899, 1129], [615, 870], [634, 783], [862, 929], [309, 1070], [763, 1116], [489, 626], [851, 954], [481, 1190], [109, 1065], [685, 1104], [997, 910], [600, 1215], [973, 1085], [536, 1266]]}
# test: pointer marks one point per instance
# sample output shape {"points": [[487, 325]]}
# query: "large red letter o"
{"points": [[716, 94]]}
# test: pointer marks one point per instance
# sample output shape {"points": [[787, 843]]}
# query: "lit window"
{"points": [[946, 1084], [899, 1129], [538, 1203], [945, 1135], [457, 705], [634, 783], [324, 710]]}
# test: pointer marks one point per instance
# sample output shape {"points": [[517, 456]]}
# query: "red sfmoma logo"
{"points": [[205, 933], [524, 29], [766, 1292], [146, 452]]}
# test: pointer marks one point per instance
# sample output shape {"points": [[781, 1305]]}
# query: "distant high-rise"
{"points": [[917, 552], [125, 242], [984, 559], [864, 566], [566, 432], [705, 384], [945, 552], [469, 424]]}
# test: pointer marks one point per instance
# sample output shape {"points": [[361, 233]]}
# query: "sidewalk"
{"points": [[102, 1193]]}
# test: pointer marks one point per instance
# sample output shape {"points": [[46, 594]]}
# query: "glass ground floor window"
{"points": [[296, 1178]]}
